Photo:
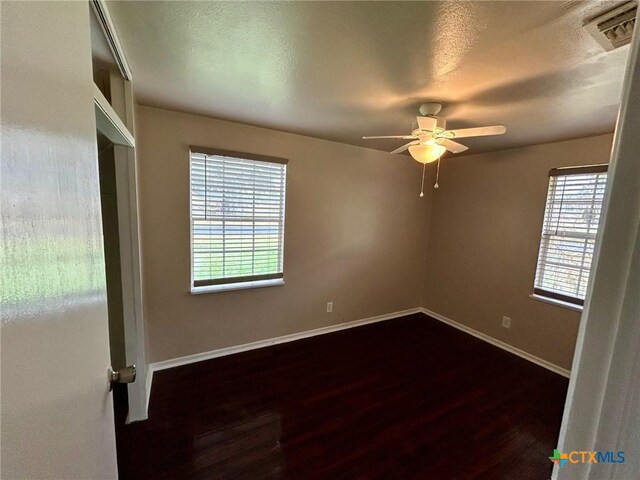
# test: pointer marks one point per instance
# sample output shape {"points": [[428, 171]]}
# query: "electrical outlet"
{"points": [[329, 307], [506, 322]]}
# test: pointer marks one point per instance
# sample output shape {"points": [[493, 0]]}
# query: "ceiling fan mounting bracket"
{"points": [[430, 109]]}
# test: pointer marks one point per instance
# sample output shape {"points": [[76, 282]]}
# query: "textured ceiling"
{"points": [[347, 69]]}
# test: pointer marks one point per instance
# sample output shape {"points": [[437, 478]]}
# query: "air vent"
{"points": [[614, 28]]}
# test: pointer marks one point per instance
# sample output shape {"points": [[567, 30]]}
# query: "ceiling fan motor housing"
{"points": [[429, 125]]}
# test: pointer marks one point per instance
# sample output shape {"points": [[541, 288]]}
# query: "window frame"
{"points": [[239, 282], [549, 296]]}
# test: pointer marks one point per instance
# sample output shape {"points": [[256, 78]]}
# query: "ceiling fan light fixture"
{"points": [[426, 153]]}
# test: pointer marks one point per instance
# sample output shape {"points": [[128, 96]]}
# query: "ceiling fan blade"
{"points": [[475, 132], [405, 146], [406, 137], [427, 123], [453, 147]]}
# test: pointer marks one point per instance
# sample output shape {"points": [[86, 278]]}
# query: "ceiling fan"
{"points": [[431, 139]]}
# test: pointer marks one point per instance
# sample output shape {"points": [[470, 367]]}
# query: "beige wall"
{"points": [[483, 244], [355, 230], [356, 233]]}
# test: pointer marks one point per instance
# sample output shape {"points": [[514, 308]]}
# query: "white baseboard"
{"points": [[505, 346], [199, 357]]}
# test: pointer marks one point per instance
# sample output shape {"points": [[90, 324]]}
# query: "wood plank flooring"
{"points": [[409, 398]]}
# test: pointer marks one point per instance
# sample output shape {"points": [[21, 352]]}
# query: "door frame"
{"points": [[601, 409], [116, 120]]}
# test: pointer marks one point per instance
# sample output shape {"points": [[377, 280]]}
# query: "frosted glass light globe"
{"points": [[427, 153]]}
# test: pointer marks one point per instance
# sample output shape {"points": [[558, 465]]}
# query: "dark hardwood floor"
{"points": [[401, 399]]}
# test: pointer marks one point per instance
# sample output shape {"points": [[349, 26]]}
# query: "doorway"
{"points": [[114, 110]]}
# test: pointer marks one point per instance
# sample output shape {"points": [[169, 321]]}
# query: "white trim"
{"points": [[130, 274], [129, 241], [199, 357], [602, 409], [557, 303], [109, 30], [505, 346], [227, 287], [148, 382], [135, 414], [108, 122]]}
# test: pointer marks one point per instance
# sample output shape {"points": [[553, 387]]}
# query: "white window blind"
{"points": [[572, 215], [237, 217]]}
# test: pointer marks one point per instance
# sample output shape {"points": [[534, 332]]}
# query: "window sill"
{"points": [[226, 287], [557, 303]]}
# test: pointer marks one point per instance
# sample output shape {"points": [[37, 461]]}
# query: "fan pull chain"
{"points": [[424, 166], [435, 185]]}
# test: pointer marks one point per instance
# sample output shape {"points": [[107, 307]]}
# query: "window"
{"points": [[237, 220], [571, 218]]}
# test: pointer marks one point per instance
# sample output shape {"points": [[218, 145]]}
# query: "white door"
{"points": [[57, 413]]}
